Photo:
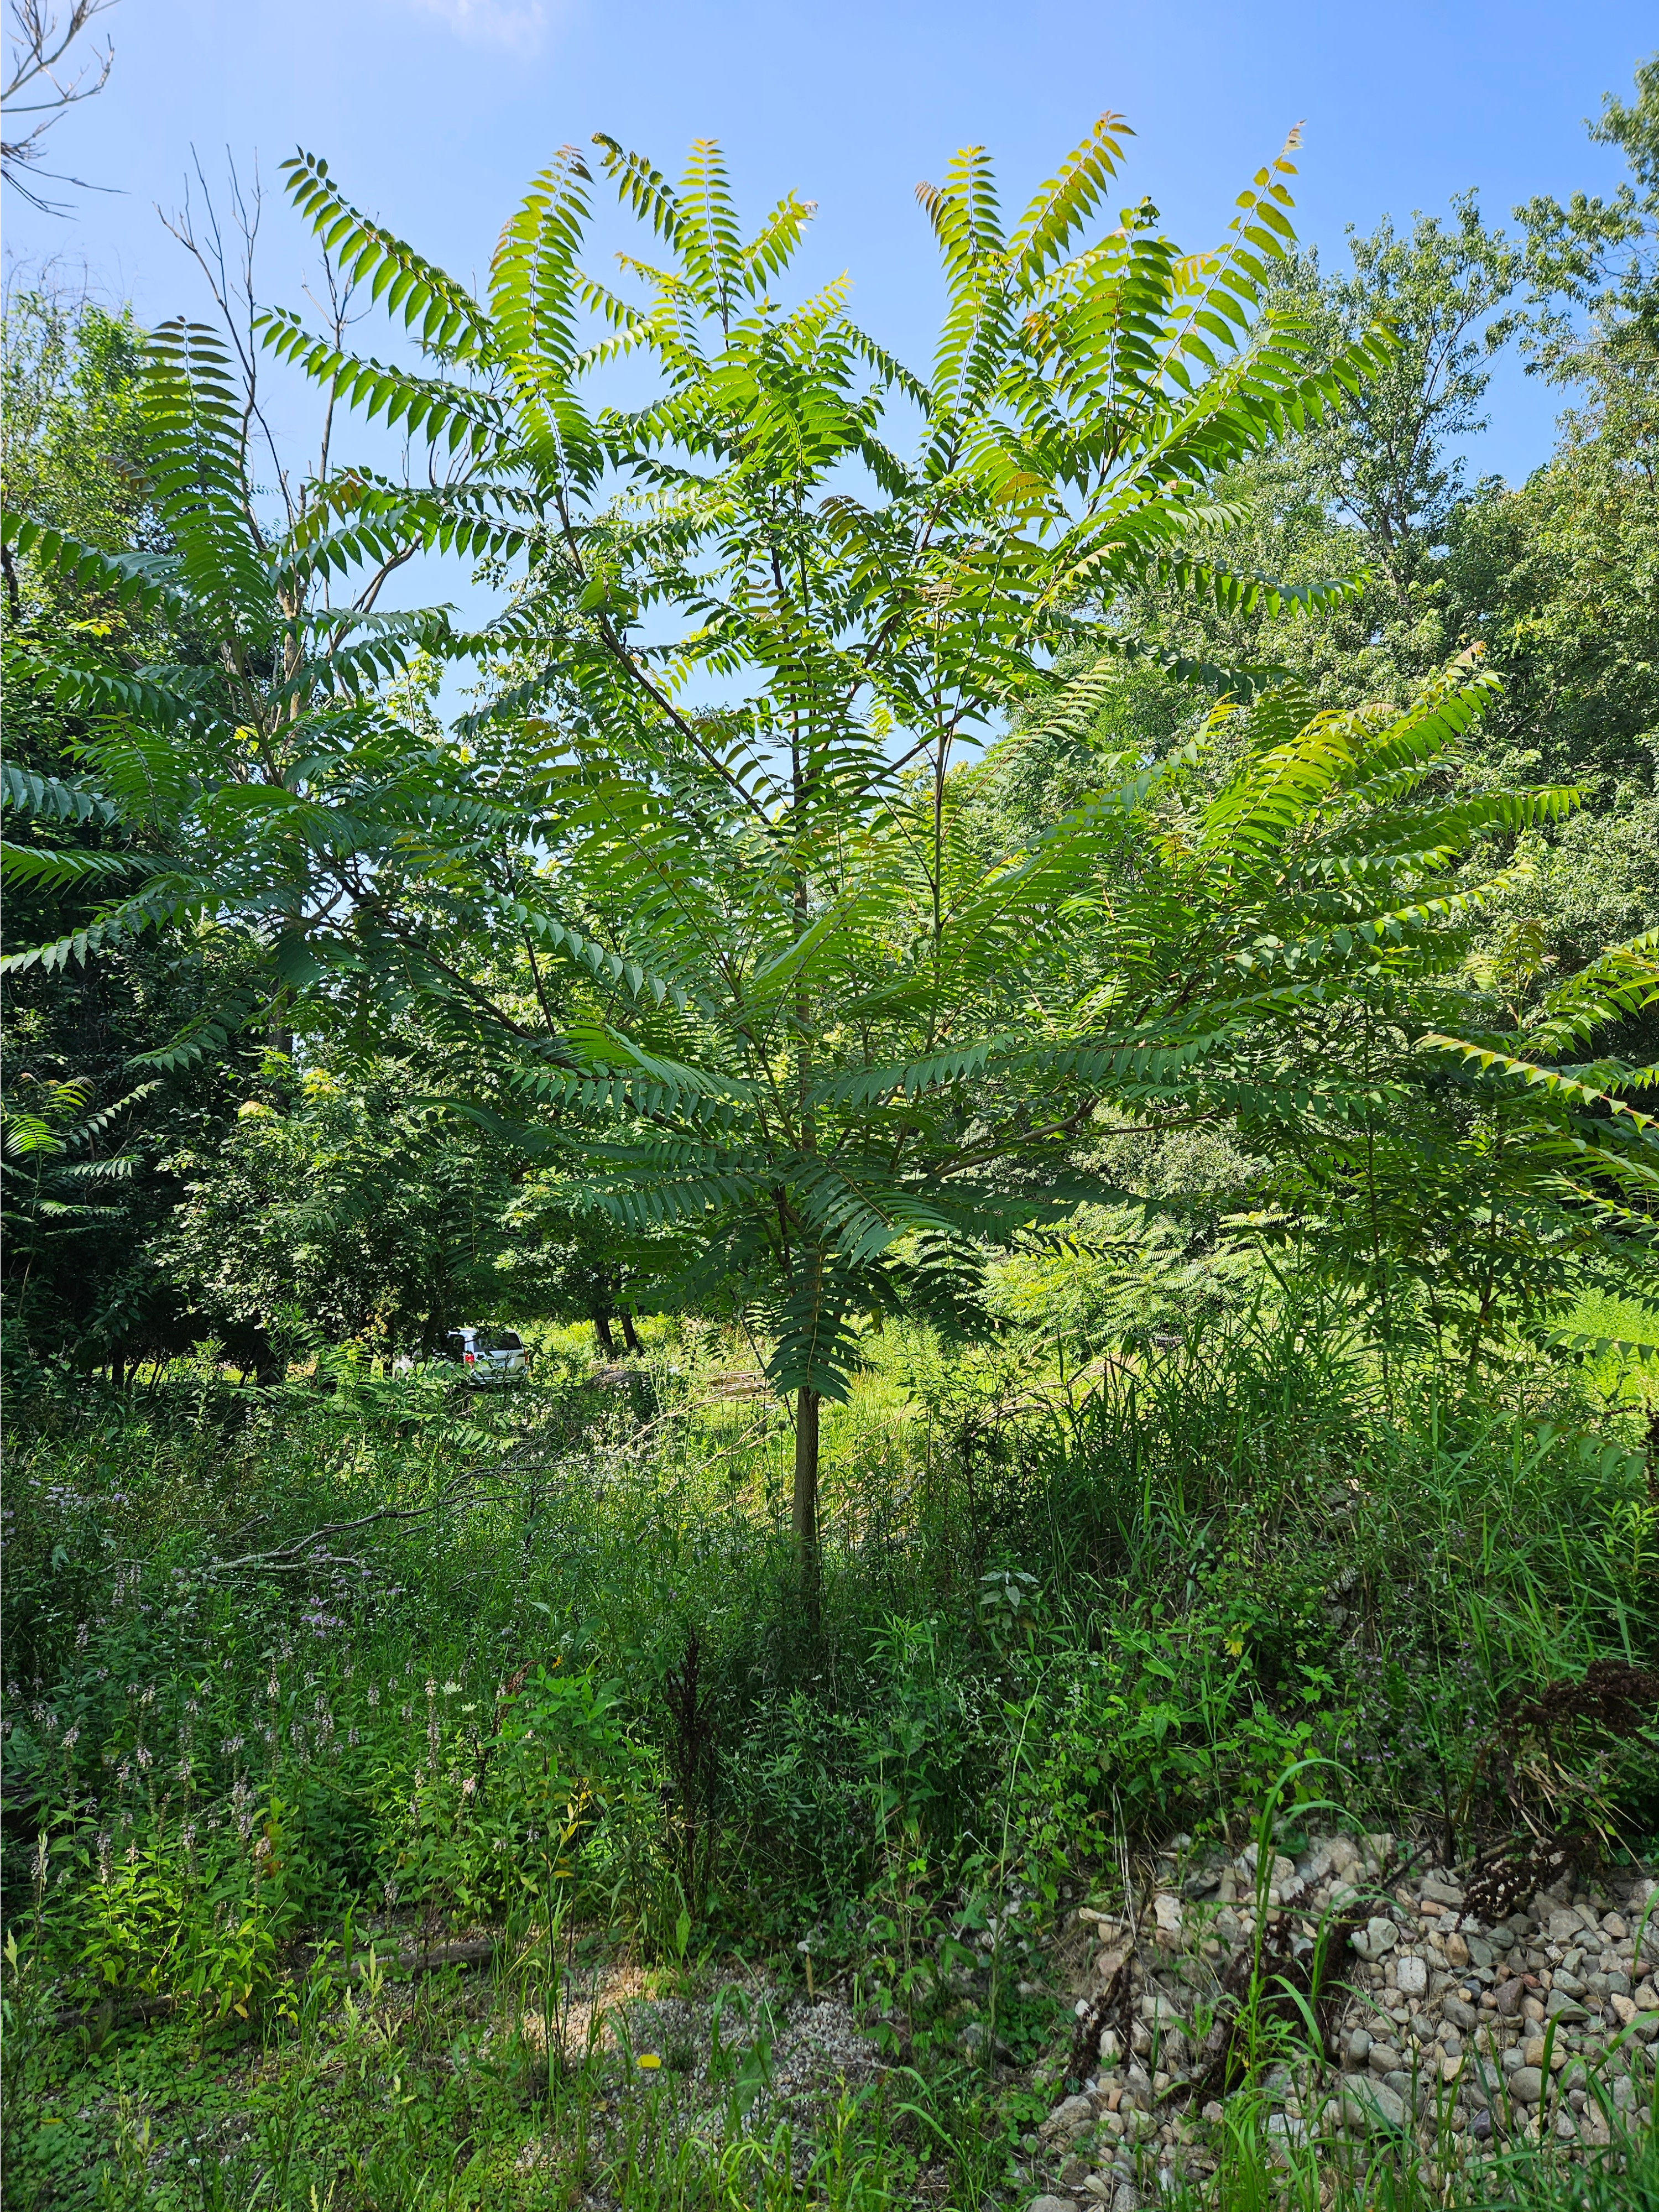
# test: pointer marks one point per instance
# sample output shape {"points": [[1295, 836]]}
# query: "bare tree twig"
{"points": [[231, 288], [37, 46]]}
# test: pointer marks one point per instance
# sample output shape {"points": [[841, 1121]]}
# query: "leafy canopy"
{"points": [[753, 530], [695, 893]]}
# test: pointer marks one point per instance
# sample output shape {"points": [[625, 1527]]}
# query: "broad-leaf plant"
{"points": [[695, 901]]}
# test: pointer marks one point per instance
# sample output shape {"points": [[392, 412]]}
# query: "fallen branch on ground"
{"points": [[301, 1553]]}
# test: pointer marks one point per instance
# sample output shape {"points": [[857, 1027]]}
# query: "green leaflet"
{"points": [[53, 799]]}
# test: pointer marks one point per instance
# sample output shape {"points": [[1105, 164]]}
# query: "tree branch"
{"points": [[37, 48]]}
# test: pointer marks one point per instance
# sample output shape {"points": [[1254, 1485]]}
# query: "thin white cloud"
{"points": [[518, 24]]}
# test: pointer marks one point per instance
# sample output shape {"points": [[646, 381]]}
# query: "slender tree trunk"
{"points": [[630, 1337], [279, 1032], [803, 1517], [607, 1342], [804, 1503]]}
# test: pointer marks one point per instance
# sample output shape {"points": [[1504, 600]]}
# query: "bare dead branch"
{"points": [[39, 44], [229, 274], [304, 1551]]}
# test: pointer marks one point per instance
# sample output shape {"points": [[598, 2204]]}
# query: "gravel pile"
{"points": [[1435, 2026]]}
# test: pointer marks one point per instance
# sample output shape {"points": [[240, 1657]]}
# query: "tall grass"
{"points": [[1217, 1555], [362, 1650]]}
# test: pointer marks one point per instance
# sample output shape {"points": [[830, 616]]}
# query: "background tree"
{"points": [[1558, 574], [1554, 578], [1593, 266], [561, 1259], [344, 1201], [1389, 466], [80, 1274], [1376, 488]]}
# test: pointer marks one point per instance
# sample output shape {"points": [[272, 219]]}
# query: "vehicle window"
{"points": [[507, 1342]]}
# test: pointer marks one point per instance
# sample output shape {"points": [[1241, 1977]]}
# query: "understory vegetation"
{"points": [[364, 1657], [891, 1262]]}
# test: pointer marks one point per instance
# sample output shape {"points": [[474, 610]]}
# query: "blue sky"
{"points": [[435, 113]]}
